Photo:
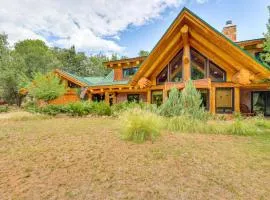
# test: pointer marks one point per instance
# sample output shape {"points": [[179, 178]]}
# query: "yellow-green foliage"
{"points": [[118, 108], [77, 109], [237, 127], [46, 87], [3, 109], [140, 125]]}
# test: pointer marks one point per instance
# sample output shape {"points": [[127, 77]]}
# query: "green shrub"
{"points": [[31, 106], [46, 87], [140, 125], [53, 109], [77, 109], [3, 109], [101, 108], [73, 109]]}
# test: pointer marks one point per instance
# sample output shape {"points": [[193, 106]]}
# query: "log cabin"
{"points": [[227, 72]]}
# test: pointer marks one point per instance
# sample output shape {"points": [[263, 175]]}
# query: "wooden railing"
{"points": [[202, 83]]}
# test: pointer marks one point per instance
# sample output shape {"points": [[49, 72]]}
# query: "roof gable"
{"points": [[204, 38]]}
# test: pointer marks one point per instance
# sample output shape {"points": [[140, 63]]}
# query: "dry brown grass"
{"points": [[83, 158]]}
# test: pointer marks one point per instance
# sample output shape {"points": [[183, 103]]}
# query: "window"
{"points": [[198, 65], [261, 102], [98, 97], [173, 71], [129, 72], [133, 98], [157, 97], [216, 73], [205, 98], [176, 69], [224, 100], [163, 76], [201, 67]]}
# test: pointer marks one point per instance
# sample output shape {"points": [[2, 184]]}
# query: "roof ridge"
{"points": [[230, 41]]}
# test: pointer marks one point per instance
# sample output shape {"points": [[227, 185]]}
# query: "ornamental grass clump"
{"points": [[139, 125], [242, 127], [119, 108], [182, 124]]}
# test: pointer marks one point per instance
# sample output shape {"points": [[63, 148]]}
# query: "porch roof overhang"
{"points": [[205, 39]]}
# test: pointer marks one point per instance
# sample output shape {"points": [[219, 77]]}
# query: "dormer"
{"points": [[124, 69]]}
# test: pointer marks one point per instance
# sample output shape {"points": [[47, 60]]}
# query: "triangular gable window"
{"points": [[201, 68], [173, 72], [198, 65]]}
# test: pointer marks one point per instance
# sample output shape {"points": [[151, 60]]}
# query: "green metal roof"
{"points": [[97, 81], [79, 78]]}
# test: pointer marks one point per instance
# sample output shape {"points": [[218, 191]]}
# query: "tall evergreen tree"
{"points": [[265, 56]]}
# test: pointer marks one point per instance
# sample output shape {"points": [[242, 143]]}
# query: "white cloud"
{"points": [[91, 25], [201, 1]]}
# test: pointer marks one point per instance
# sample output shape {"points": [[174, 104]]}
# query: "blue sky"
{"points": [[250, 16], [121, 26]]}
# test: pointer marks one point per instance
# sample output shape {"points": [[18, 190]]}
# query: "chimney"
{"points": [[230, 31]]}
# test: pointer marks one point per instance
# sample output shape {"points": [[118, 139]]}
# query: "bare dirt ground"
{"points": [[83, 158]]}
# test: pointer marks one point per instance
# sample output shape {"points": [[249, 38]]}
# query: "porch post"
{"points": [[90, 97], [213, 100], [107, 98], [165, 95], [186, 54], [148, 99], [237, 99]]}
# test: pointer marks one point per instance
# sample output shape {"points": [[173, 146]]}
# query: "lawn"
{"points": [[84, 158]]}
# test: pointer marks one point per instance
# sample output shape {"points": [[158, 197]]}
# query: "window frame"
{"points": [[168, 67], [162, 83], [152, 91], [208, 72], [129, 95], [129, 68], [206, 64]]}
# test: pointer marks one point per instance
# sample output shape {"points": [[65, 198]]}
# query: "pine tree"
{"points": [[265, 56], [173, 106], [191, 101]]}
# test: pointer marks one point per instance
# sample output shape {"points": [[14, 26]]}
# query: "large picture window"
{"points": [[176, 69], [224, 100], [163, 76], [201, 67], [216, 73], [198, 65], [173, 71]]}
